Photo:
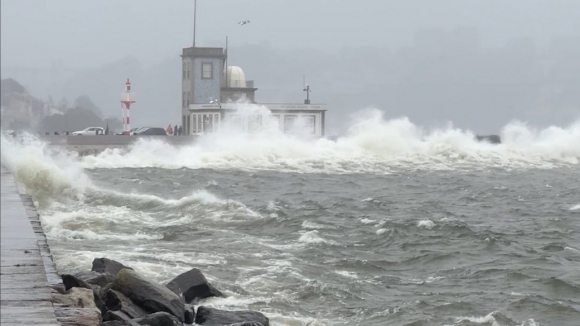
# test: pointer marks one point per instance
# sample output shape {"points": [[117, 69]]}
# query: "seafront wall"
{"points": [[113, 140], [92, 145]]}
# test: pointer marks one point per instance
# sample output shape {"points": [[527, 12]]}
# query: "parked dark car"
{"points": [[151, 131], [131, 132]]}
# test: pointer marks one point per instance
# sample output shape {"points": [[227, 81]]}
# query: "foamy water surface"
{"points": [[390, 225]]}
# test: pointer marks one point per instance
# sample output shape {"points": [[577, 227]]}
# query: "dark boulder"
{"points": [[117, 301], [215, 317], [71, 281], [159, 319], [101, 297], [189, 316], [193, 286], [148, 295], [95, 278], [120, 323], [114, 323], [115, 315], [105, 265]]}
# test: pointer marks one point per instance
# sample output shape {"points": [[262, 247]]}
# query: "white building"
{"points": [[209, 93]]}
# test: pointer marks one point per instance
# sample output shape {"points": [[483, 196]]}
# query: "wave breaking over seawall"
{"points": [[372, 144]]}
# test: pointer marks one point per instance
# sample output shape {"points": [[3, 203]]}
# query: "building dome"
{"points": [[234, 77]]}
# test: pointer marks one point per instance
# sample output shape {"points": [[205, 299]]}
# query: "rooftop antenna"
{"points": [[194, 16], [306, 88], [227, 81]]}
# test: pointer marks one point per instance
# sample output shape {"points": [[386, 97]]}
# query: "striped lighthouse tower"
{"points": [[127, 98]]}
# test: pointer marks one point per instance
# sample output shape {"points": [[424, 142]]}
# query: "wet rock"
{"points": [[148, 295], [120, 323], [71, 281], [105, 265], [101, 297], [95, 278], [76, 298], [113, 323], [159, 319], [60, 288], [215, 317], [115, 315], [117, 301], [189, 316], [192, 286]]}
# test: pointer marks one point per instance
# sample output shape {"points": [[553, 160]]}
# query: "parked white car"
{"points": [[90, 131]]}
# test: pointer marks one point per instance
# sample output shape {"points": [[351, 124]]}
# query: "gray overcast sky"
{"points": [[90, 33]]}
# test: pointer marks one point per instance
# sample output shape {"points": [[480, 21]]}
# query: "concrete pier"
{"points": [[27, 267]]}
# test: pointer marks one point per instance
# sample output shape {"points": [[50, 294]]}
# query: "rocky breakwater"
{"points": [[120, 296]]}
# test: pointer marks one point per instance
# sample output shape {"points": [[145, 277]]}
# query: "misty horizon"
{"points": [[479, 64]]}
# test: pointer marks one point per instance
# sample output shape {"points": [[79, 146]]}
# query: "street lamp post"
{"points": [[307, 90], [194, 18]]}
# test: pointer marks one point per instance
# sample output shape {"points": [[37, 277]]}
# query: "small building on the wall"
{"points": [[210, 92]]}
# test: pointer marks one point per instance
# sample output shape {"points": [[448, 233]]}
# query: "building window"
{"points": [[194, 123], [184, 70], [310, 124], [207, 70], [208, 123], [184, 97], [289, 121]]}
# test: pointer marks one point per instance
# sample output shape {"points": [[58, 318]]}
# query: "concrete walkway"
{"points": [[26, 264]]}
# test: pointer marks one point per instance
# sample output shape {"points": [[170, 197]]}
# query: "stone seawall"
{"points": [[112, 140], [92, 145]]}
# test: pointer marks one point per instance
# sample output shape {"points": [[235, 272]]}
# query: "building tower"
{"points": [[127, 98], [201, 78]]}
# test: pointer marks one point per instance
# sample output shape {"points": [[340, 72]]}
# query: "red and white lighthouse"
{"points": [[127, 98]]}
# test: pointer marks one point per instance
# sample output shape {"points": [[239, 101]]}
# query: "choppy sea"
{"points": [[391, 224]]}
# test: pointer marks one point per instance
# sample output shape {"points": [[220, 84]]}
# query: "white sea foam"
{"points": [[381, 231], [347, 274], [367, 221], [312, 225], [372, 144], [312, 237], [427, 224], [575, 208], [488, 319], [45, 172]]}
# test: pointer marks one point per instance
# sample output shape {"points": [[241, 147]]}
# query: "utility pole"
{"points": [[306, 89], [194, 16]]}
